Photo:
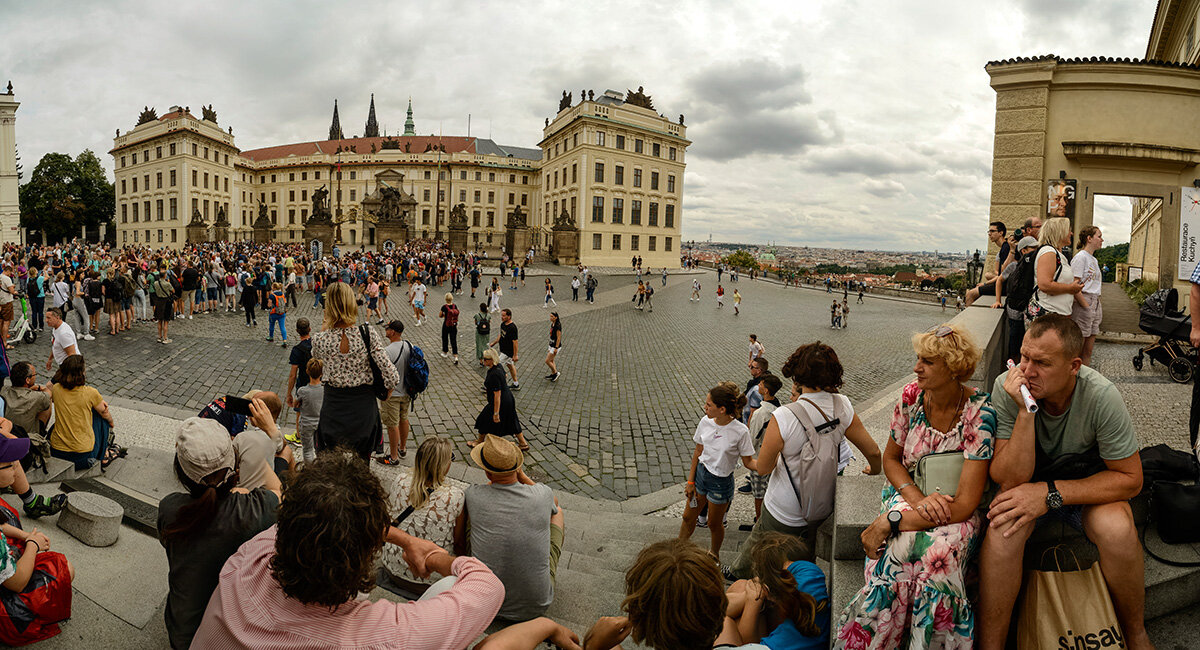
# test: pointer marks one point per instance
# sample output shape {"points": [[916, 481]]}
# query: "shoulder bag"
{"points": [[378, 388], [939, 472]]}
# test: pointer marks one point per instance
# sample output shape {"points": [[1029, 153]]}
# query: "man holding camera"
{"points": [[998, 235]]}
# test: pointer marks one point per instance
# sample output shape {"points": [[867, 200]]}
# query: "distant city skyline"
{"points": [[805, 131]]}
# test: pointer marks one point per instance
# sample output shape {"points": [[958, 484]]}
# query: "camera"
{"points": [[1019, 233]]}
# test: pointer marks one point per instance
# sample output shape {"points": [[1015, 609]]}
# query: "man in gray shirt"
{"points": [[393, 411], [516, 529]]}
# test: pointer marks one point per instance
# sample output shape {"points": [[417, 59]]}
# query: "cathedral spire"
{"points": [[335, 129], [372, 129], [408, 123]]}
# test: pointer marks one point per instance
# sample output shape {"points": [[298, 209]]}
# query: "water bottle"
{"points": [[693, 504]]}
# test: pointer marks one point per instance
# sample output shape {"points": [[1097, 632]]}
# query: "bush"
{"points": [[1138, 290]]}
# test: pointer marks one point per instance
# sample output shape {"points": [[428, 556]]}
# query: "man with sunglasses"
{"points": [[998, 235]]}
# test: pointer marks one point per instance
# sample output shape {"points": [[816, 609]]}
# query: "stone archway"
{"points": [[1113, 127]]}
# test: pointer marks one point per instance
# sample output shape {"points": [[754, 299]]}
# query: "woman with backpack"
{"points": [[1057, 287], [278, 301], [230, 283], [919, 546], [249, 298], [799, 495], [483, 331]]}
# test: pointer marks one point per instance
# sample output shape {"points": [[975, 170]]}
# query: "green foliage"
{"points": [[1111, 255], [64, 194], [832, 269], [1138, 290], [741, 260]]}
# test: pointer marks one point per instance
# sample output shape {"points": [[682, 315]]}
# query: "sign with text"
{"points": [[1060, 198], [1189, 231]]}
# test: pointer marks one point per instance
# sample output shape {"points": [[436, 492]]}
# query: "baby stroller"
{"points": [[1162, 317]]}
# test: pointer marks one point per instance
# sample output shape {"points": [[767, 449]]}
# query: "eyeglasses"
{"points": [[991, 230], [940, 331]]}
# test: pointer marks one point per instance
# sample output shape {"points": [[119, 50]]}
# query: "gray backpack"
{"points": [[817, 472]]}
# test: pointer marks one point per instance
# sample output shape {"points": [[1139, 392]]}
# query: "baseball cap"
{"points": [[1027, 242], [13, 449], [396, 326], [202, 447]]}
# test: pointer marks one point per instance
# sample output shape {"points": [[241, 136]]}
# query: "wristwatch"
{"points": [[1054, 499], [894, 518]]}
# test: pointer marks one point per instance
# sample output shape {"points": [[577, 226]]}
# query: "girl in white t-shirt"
{"points": [[720, 440]]}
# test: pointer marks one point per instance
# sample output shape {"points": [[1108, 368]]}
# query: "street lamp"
{"points": [[974, 269]]}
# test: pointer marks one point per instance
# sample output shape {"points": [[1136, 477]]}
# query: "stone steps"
{"points": [[58, 470]]}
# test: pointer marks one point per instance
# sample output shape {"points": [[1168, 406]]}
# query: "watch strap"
{"points": [[894, 523]]}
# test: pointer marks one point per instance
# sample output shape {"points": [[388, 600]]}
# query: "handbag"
{"points": [[1034, 309], [1067, 609], [939, 472], [378, 388]]}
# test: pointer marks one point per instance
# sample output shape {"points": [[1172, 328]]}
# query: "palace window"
{"points": [[654, 180], [426, 194], [670, 183], [574, 172], [158, 180], [512, 178], [599, 172], [637, 145], [618, 210], [667, 244], [425, 217], [124, 213], [491, 197], [135, 211], [123, 187], [135, 183], [653, 213], [650, 244], [477, 196], [172, 149], [635, 213], [524, 199], [172, 178], [598, 209], [478, 176], [616, 242], [158, 209], [597, 241], [637, 177], [462, 196], [619, 175], [620, 142], [656, 150], [600, 138], [157, 152], [174, 208], [633, 242], [475, 219], [669, 216], [512, 198], [491, 177]]}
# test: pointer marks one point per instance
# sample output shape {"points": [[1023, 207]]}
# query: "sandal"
{"points": [[111, 454], [523, 448]]}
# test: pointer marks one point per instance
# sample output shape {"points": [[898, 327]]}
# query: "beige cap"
{"points": [[497, 455], [202, 447]]}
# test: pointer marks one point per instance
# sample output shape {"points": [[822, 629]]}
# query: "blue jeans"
{"points": [[277, 318], [590, 292], [85, 459], [316, 299]]}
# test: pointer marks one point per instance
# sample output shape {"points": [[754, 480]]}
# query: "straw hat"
{"points": [[497, 455]]}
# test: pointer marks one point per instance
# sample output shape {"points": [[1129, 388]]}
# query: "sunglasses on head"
{"points": [[940, 331]]}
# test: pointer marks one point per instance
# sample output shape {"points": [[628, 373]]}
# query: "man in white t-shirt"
{"points": [[418, 300], [8, 289], [62, 338], [1086, 268], [756, 349]]}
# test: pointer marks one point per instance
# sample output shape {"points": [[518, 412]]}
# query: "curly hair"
{"points": [[770, 556], [815, 365], [726, 395], [675, 596], [956, 348], [332, 523]]}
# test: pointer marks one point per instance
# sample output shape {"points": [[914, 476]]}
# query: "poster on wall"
{"points": [[1189, 231], [1060, 199]]}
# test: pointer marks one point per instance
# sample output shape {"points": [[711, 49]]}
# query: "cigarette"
{"points": [[1030, 404]]}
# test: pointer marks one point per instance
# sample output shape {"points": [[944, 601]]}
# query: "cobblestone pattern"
{"points": [[616, 425]]}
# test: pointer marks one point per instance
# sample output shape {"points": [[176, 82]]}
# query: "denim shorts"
{"points": [[126, 303], [717, 489]]}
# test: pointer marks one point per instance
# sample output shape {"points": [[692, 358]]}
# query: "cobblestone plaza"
{"points": [[617, 424]]}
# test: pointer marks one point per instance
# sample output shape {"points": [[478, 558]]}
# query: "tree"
{"points": [[64, 194], [741, 260]]}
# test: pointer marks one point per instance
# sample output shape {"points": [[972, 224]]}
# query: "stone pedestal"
{"points": [[390, 234], [457, 238], [262, 232], [566, 246], [197, 233], [321, 232], [220, 232], [517, 242], [92, 519]]}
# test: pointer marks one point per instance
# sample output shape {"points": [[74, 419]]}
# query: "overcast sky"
{"points": [[847, 123]]}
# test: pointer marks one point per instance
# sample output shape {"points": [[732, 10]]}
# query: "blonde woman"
{"points": [[435, 501], [1057, 288], [349, 413]]}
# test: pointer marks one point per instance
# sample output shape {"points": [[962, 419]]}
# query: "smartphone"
{"points": [[238, 405]]}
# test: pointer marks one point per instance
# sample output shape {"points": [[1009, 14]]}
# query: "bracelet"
{"points": [[909, 484], [691, 482], [34, 542]]}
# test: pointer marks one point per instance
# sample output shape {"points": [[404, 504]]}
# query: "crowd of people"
{"points": [[267, 549]]}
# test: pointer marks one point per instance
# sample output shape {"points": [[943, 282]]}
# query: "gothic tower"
{"points": [[372, 129], [408, 123], [335, 129], [10, 207]]}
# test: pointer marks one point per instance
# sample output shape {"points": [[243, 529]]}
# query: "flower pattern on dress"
{"points": [[433, 521], [915, 596]]}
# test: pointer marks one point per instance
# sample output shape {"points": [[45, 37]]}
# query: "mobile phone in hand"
{"points": [[238, 405]]}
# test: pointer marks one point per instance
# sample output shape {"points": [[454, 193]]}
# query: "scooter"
{"points": [[21, 330]]}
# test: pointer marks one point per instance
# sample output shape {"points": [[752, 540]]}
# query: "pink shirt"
{"points": [[249, 610]]}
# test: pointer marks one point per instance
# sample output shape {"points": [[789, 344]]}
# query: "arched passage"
{"points": [[1101, 127]]}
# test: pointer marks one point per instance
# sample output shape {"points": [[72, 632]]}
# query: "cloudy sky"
{"points": [[847, 123]]}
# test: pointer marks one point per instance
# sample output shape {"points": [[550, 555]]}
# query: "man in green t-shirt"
{"points": [[1079, 412]]}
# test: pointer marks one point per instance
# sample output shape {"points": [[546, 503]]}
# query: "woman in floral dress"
{"points": [[914, 595]]}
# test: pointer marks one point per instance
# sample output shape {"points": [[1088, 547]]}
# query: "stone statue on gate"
{"points": [[196, 218], [320, 202], [458, 216], [564, 221], [222, 218], [516, 219]]}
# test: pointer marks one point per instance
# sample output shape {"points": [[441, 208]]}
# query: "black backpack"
{"points": [[484, 326], [1021, 282]]}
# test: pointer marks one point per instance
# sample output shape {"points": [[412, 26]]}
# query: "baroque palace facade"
{"points": [[611, 162]]}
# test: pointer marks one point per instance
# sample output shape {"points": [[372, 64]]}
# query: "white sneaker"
{"points": [[88, 337], [443, 355], [190, 317]]}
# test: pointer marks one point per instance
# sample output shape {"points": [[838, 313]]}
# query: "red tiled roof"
{"points": [[176, 114], [417, 144]]}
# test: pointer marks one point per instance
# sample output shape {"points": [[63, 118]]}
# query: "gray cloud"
{"points": [[883, 188], [862, 158]]}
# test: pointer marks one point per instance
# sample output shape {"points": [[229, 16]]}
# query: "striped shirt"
{"points": [[250, 610]]}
